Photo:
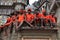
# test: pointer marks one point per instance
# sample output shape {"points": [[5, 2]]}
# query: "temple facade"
{"points": [[26, 32]]}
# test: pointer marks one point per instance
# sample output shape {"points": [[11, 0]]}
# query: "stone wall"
{"points": [[58, 21]]}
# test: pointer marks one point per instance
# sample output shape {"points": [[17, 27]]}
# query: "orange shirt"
{"points": [[40, 15], [48, 17], [29, 17], [13, 18], [20, 18], [53, 20], [9, 21]]}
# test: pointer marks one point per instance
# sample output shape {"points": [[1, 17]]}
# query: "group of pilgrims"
{"points": [[38, 19]]}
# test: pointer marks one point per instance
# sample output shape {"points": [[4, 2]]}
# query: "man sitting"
{"points": [[29, 16]]}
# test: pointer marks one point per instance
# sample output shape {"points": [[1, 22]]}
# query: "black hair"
{"points": [[17, 12], [45, 13], [37, 13], [14, 13], [11, 14]]}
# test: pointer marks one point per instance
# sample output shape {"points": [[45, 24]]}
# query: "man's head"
{"points": [[12, 14], [37, 12], [17, 12], [24, 11], [21, 11], [29, 11], [44, 11]]}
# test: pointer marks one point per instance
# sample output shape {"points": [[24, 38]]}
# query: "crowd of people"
{"points": [[40, 19]]}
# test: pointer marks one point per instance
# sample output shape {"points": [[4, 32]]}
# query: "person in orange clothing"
{"points": [[9, 21], [42, 18], [14, 19], [50, 19], [53, 20], [29, 16], [40, 15], [38, 18], [20, 18], [6, 25]]}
